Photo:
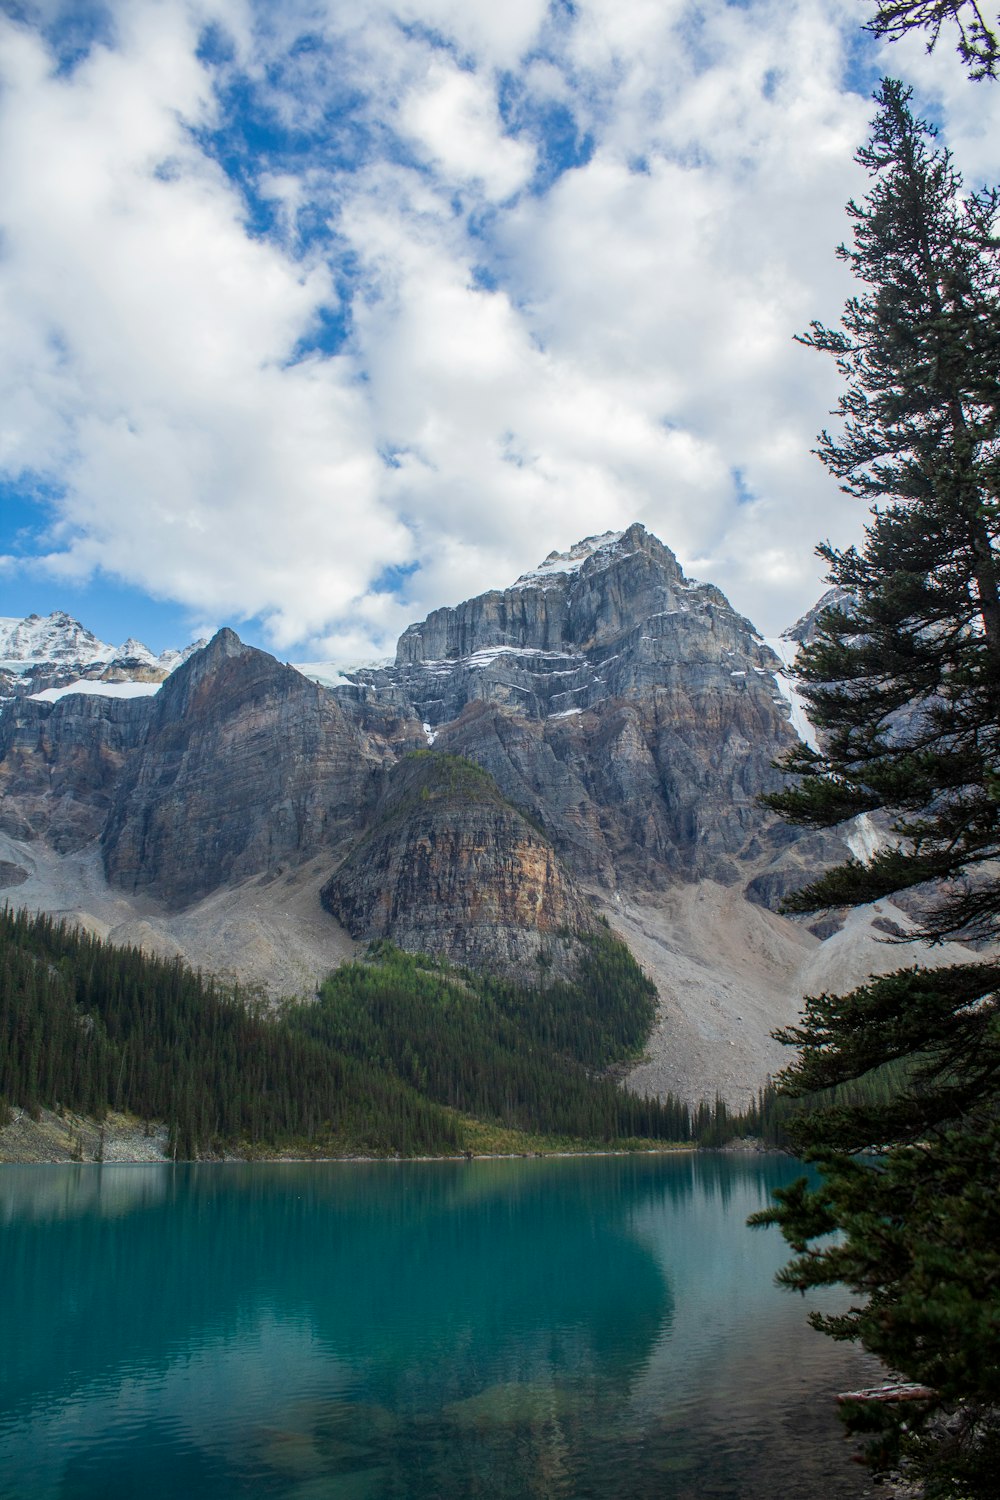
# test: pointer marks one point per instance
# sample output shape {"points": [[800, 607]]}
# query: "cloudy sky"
{"points": [[320, 314]]}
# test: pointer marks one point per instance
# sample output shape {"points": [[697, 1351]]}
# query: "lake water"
{"points": [[601, 1327]]}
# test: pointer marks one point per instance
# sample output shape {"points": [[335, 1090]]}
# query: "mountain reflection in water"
{"points": [[566, 1328]]}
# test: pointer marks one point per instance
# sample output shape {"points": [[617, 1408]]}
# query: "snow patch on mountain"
{"points": [[558, 564], [786, 651], [97, 688], [332, 674]]}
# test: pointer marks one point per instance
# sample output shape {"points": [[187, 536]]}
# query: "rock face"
{"points": [[633, 713], [245, 766], [804, 631], [449, 867], [60, 765]]}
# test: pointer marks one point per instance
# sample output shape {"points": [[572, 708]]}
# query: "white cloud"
{"points": [[452, 115], [149, 336], [496, 34], [524, 367]]}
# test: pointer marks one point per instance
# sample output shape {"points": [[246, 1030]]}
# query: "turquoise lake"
{"points": [[601, 1327]]}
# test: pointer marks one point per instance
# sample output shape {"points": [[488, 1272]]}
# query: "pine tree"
{"points": [[904, 685], [977, 37]]}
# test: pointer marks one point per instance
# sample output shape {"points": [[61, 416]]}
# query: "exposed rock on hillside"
{"points": [[450, 867], [804, 630], [245, 765], [60, 764]]}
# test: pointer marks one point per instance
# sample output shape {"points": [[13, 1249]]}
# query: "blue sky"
{"points": [[319, 316]]}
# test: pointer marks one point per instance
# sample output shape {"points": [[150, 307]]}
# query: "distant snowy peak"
{"points": [[49, 656], [50, 638], [58, 638], [133, 650], [558, 564]]}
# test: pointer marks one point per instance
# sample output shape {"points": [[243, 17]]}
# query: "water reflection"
{"points": [[41, 1194], [559, 1328]]}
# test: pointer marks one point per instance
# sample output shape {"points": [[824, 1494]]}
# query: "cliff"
{"points": [[449, 867], [245, 766], [633, 713]]}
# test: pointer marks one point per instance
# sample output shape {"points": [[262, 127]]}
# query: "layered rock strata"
{"points": [[449, 867], [60, 765], [632, 712]]}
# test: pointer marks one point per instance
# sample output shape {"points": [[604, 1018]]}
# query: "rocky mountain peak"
{"points": [[245, 766], [803, 632], [54, 654], [612, 615], [50, 638], [560, 563], [585, 596]]}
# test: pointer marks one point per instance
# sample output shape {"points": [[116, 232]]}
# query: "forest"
{"points": [[399, 1053]]}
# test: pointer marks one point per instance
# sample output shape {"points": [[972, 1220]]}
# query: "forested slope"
{"points": [[399, 1053]]}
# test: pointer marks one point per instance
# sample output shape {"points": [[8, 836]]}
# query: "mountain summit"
{"points": [[628, 709]]}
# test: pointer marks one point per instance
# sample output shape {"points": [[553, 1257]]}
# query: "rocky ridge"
{"points": [[632, 712]]}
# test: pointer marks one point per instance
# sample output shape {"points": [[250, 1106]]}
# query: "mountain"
{"points": [[54, 654], [243, 767], [589, 742], [632, 712]]}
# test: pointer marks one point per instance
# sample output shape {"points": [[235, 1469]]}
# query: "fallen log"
{"points": [[893, 1391]]}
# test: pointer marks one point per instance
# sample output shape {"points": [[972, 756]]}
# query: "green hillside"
{"points": [[398, 1054]]}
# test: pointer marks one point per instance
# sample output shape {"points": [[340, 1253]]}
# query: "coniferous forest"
{"points": [[398, 1053]]}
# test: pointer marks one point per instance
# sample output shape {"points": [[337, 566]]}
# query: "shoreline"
{"points": [[69, 1139]]}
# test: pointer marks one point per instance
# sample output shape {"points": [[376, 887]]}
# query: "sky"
{"points": [[317, 316]]}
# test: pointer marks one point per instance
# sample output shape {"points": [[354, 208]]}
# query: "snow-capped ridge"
{"points": [[133, 650], [47, 657], [558, 564], [50, 638]]}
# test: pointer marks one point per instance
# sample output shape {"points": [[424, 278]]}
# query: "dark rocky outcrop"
{"points": [[60, 764], [450, 867], [245, 766]]}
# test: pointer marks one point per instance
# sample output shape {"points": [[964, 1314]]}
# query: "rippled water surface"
{"points": [[600, 1327]]}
